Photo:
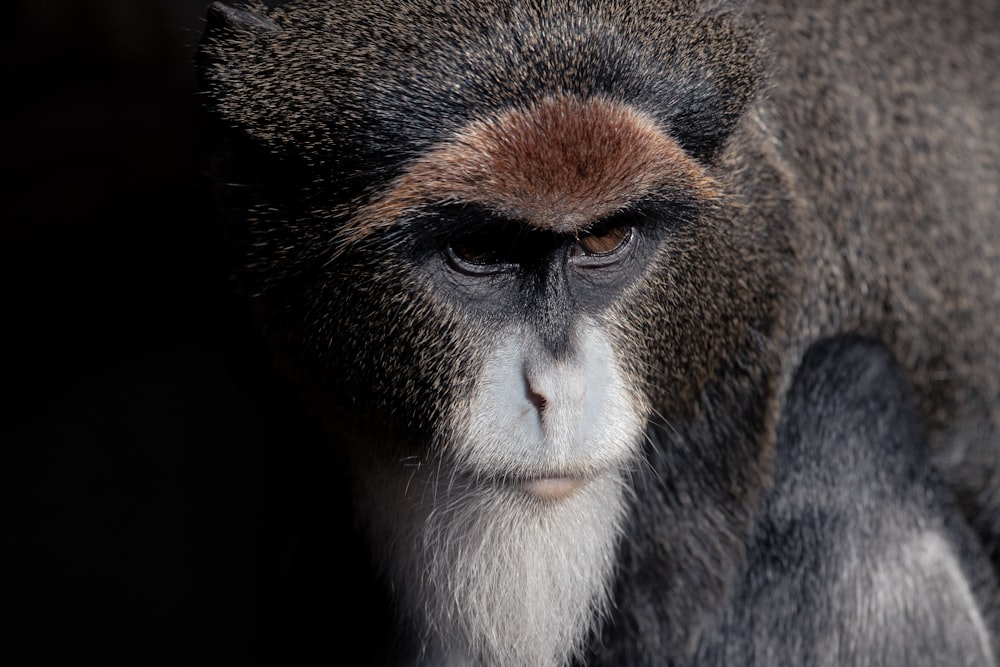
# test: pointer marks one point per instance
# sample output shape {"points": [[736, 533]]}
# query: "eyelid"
{"points": [[473, 268], [483, 248]]}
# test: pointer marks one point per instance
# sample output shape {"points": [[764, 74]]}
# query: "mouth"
{"points": [[548, 486], [553, 487]]}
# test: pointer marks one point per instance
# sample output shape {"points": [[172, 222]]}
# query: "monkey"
{"points": [[545, 271]]}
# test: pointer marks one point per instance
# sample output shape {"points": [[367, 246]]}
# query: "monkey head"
{"points": [[492, 243]]}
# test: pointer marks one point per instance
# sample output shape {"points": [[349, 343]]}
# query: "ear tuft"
{"points": [[223, 17]]}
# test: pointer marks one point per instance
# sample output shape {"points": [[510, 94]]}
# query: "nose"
{"points": [[556, 388]]}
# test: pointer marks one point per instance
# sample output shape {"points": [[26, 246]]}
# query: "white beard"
{"points": [[488, 575]]}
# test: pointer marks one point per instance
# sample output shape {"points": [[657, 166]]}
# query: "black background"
{"points": [[165, 503]]}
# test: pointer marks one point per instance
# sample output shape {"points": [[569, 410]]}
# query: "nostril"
{"points": [[536, 399]]}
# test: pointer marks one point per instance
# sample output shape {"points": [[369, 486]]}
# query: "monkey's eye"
{"points": [[477, 249], [604, 241], [484, 249]]}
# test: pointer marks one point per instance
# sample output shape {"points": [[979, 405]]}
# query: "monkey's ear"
{"points": [[223, 18], [238, 40]]}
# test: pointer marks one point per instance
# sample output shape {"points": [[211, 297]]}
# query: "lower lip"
{"points": [[553, 488]]}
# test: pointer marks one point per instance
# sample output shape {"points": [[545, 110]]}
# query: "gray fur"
{"points": [[857, 557]]}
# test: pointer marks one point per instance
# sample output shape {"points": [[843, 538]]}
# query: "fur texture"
{"points": [[562, 164], [857, 534]]}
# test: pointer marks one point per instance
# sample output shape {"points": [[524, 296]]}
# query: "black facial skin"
{"points": [[498, 269]]}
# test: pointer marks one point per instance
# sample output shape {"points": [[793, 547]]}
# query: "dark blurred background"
{"points": [[165, 503]]}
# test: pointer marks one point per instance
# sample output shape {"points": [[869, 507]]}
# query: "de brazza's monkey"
{"points": [[546, 271]]}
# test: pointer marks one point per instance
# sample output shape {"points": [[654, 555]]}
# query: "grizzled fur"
{"points": [[853, 152], [856, 514]]}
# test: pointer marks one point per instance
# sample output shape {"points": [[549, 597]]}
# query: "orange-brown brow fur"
{"points": [[560, 164]]}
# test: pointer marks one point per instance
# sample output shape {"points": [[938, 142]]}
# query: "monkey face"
{"points": [[548, 405]]}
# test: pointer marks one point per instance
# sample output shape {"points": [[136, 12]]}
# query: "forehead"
{"points": [[559, 164]]}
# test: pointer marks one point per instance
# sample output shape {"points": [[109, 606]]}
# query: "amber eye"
{"points": [[603, 240]]}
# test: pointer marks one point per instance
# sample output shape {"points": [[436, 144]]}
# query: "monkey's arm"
{"points": [[859, 557]]}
